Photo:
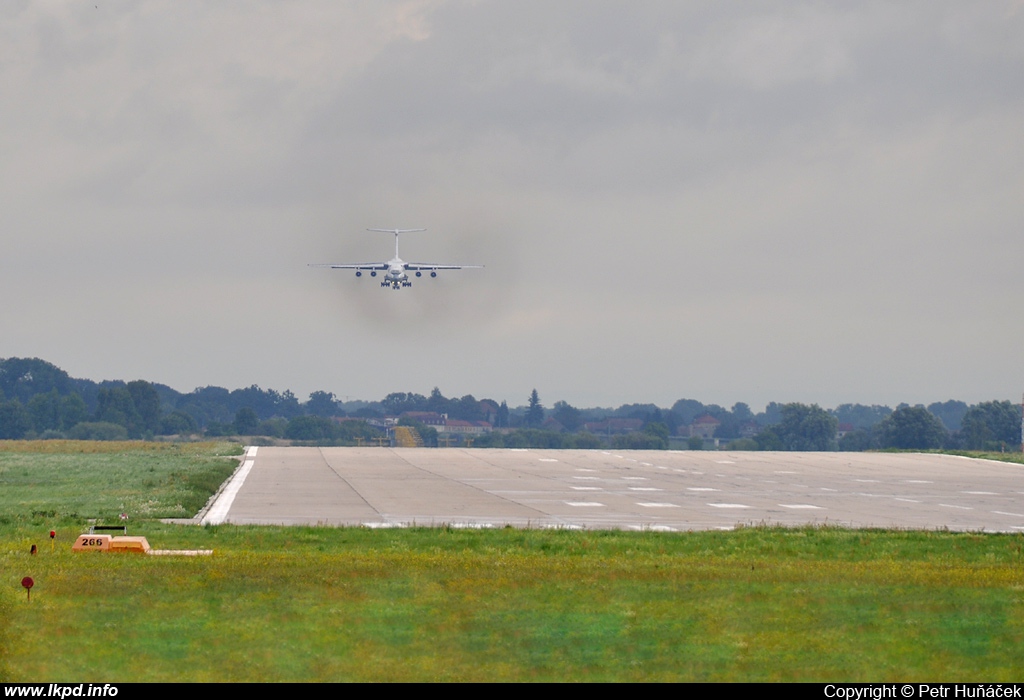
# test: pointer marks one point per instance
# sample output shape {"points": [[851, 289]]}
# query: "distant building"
{"points": [[443, 424], [750, 429], [704, 426], [464, 427], [426, 417]]}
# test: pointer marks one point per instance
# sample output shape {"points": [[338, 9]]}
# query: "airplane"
{"points": [[395, 270]]}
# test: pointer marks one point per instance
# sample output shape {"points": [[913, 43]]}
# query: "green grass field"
{"points": [[327, 604]]}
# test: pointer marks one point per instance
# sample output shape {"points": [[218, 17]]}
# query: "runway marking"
{"points": [[653, 528], [470, 526], [587, 478], [981, 493], [643, 488], [219, 512], [250, 451], [917, 481], [698, 488], [583, 469], [727, 505], [947, 505], [825, 489], [635, 478], [1016, 515], [543, 459], [699, 473], [778, 472], [647, 464], [907, 500], [724, 461], [658, 505], [518, 449], [586, 488], [804, 506], [584, 504], [381, 526], [867, 481]]}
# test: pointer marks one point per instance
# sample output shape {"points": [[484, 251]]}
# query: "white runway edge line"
{"points": [[219, 512]]}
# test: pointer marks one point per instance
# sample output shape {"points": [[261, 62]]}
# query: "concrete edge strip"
{"points": [[218, 513]]}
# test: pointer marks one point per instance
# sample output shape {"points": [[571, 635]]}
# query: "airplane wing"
{"points": [[418, 266], [353, 266]]}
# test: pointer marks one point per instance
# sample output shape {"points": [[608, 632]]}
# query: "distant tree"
{"points": [[350, 430], [769, 439], [807, 428], [951, 413], [436, 402], [72, 411], [992, 425], [583, 441], [273, 427], [501, 420], [535, 411], [45, 411], [311, 428], [912, 428], [742, 413], [246, 421], [15, 420], [98, 430], [660, 433], [696, 442], [178, 423], [640, 441], [772, 414], [115, 405], [685, 410], [322, 403], [147, 405], [861, 416], [466, 408], [23, 378], [857, 441], [216, 428], [571, 418], [399, 402]]}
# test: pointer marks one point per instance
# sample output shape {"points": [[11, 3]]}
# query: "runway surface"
{"points": [[639, 490]]}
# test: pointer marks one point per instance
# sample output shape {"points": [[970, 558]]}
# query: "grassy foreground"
{"points": [[324, 604]]}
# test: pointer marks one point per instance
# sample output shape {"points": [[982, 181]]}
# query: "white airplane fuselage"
{"points": [[396, 275]]}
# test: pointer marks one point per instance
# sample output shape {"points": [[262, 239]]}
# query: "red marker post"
{"points": [[53, 534], [27, 583]]}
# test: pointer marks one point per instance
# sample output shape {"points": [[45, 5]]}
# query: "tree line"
{"points": [[38, 399]]}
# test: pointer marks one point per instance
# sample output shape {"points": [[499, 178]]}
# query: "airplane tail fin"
{"points": [[396, 231]]}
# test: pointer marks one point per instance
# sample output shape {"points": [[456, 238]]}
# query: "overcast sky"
{"points": [[770, 201]]}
